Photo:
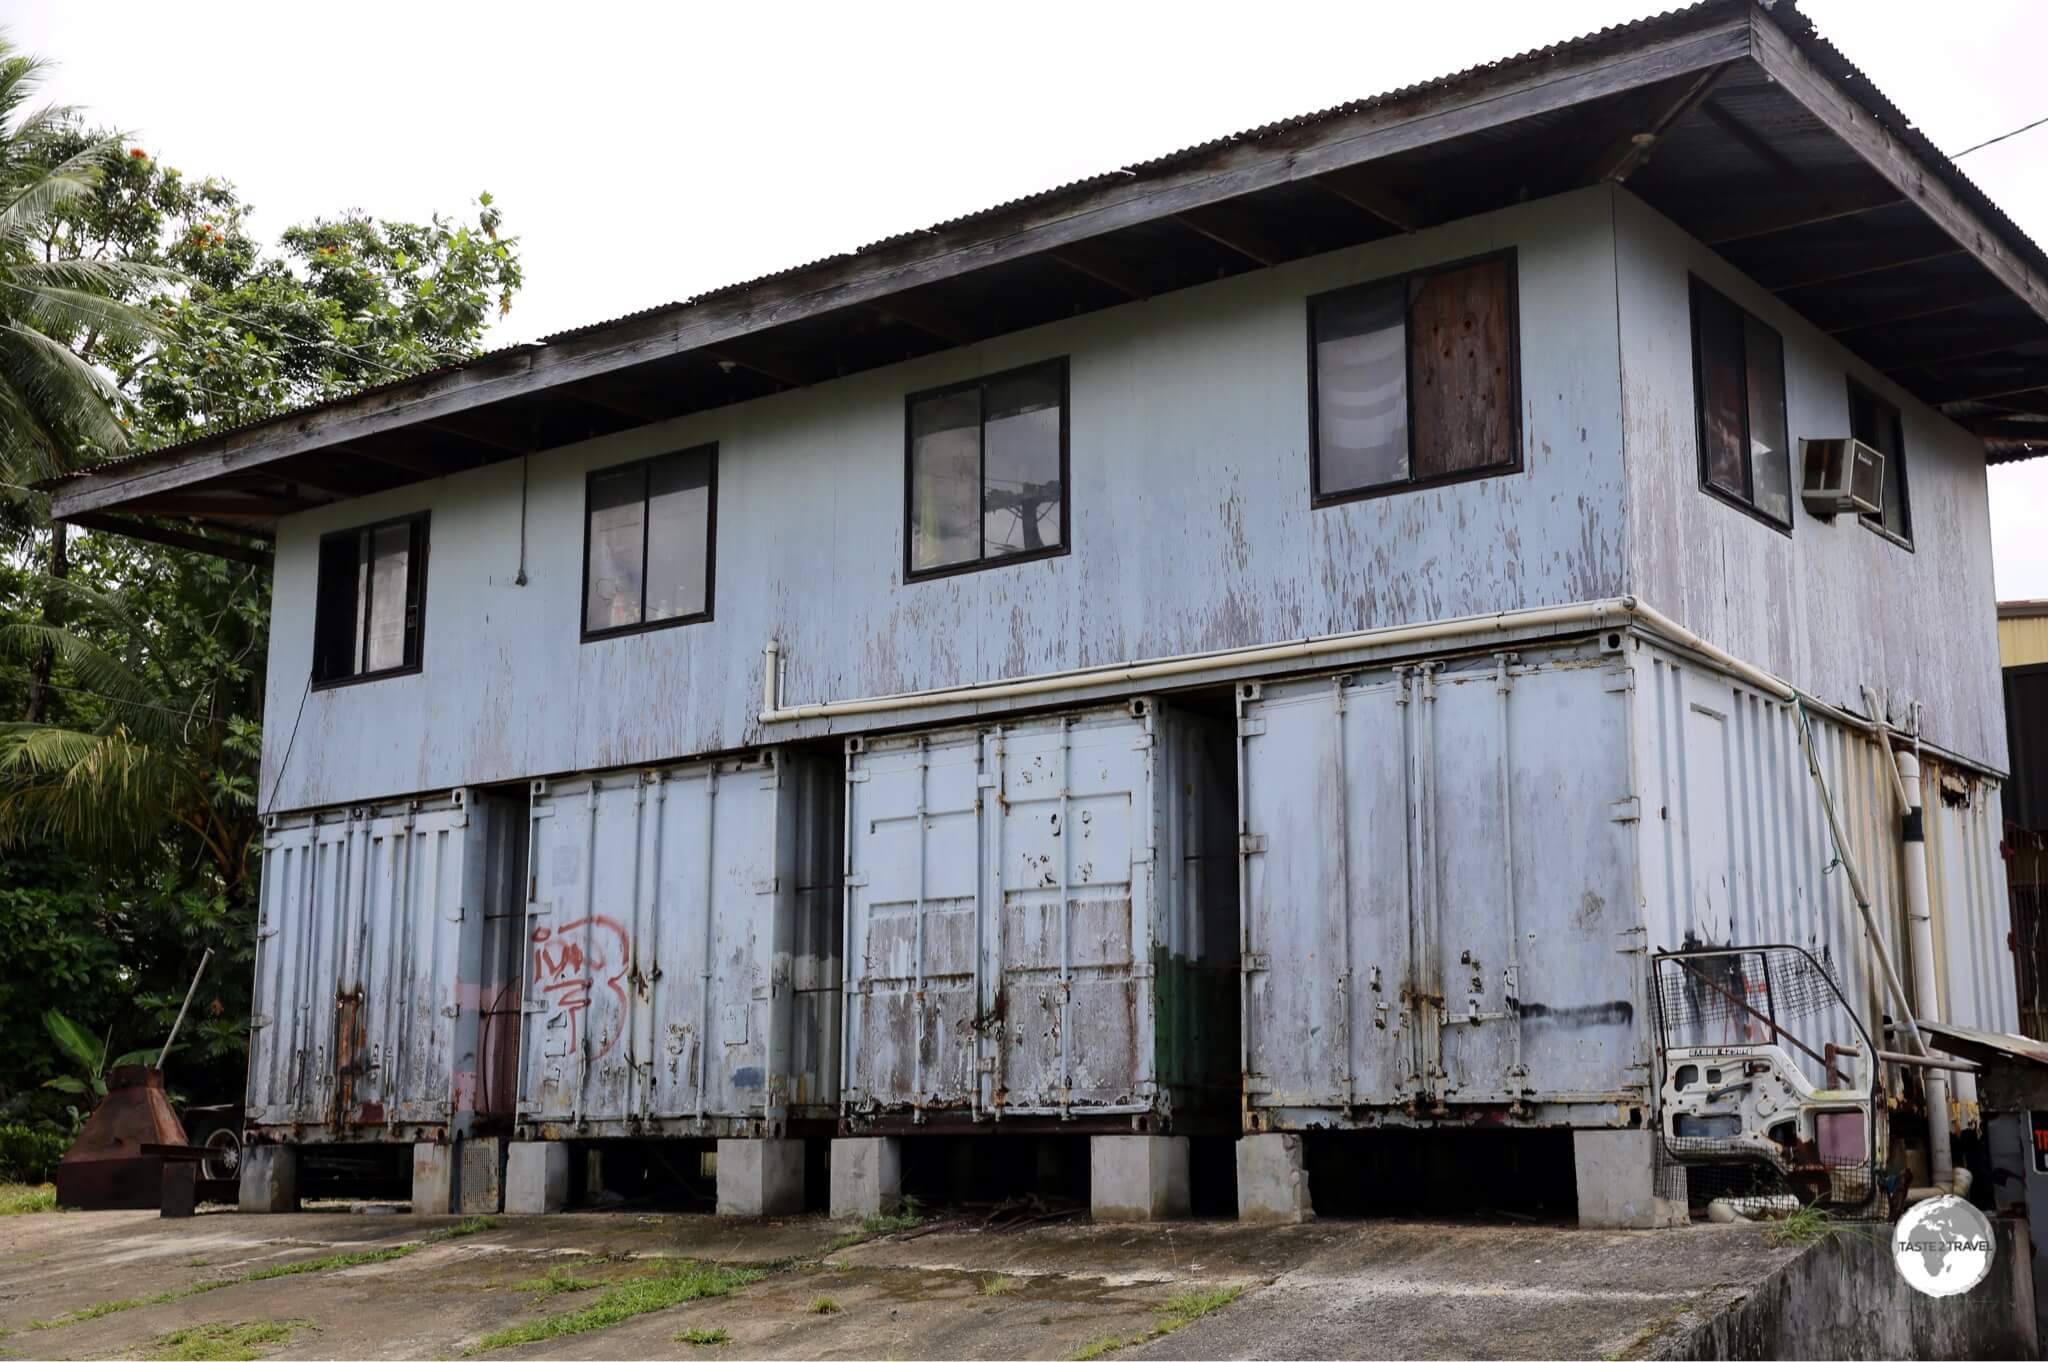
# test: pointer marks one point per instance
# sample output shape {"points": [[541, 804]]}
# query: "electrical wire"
{"points": [[2000, 138]]}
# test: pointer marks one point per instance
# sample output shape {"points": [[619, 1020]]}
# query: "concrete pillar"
{"points": [[480, 1176], [1137, 1177], [1617, 1176], [760, 1177], [537, 1177], [1272, 1181], [433, 1179], [867, 1177], [270, 1179]]}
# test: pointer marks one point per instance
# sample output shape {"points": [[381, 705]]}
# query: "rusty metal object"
{"points": [[106, 1168]]}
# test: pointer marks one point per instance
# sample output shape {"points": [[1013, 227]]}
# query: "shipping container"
{"points": [[682, 950], [1041, 923], [377, 965], [1455, 871]]}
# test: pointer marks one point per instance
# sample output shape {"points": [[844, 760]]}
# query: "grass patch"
{"points": [[1181, 1309], [995, 1284], [674, 1284], [23, 1198], [908, 1218], [222, 1342], [823, 1305], [556, 1281], [100, 1309], [704, 1338], [476, 1224], [329, 1263]]}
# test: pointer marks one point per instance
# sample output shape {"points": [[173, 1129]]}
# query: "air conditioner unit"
{"points": [[1840, 475]]}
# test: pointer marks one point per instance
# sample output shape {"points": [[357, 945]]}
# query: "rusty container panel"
{"points": [[1438, 877], [1040, 921], [369, 971], [674, 922]]}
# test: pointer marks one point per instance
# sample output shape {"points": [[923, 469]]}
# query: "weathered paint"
{"points": [[1833, 606], [371, 970], [1191, 530], [1455, 870], [682, 929], [1035, 922]]}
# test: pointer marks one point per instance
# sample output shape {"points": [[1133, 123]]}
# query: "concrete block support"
{"points": [[536, 1177], [760, 1177], [433, 1179], [480, 1176], [1617, 1177], [1272, 1181], [1138, 1177], [867, 1177], [270, 1179]]}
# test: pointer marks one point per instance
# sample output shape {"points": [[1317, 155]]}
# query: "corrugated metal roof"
{"points": [[1783, 12]]}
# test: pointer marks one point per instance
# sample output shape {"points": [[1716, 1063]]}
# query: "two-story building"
{"points": [[1273, 639]]}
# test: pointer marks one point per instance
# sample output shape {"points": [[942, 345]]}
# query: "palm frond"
{"points": [[93, 792], [74, 399], [70, 311], [31, 204]]}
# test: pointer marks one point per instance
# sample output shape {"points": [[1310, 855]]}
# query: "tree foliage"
{"points": [[129, 806]]}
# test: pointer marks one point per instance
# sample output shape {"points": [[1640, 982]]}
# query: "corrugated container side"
{"points": [[369, 967], [1034, 927], [1439, 894], [662, 919], [1969, 896]]}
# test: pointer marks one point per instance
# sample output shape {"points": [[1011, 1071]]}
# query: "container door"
{"points": [[1331, 1018], [1068, 846], [290, 1045], [912, 912]]}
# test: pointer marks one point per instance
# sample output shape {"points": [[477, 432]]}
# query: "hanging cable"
{"points": [[2000, 138]]}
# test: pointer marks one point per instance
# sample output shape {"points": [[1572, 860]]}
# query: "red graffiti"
{"points": [[571, 961]]}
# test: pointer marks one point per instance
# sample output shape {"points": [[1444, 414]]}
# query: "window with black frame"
{"points": [[987, 471], [1878, 424], [369, 600], [649, 543], [1413, 381], [1739, 393]]}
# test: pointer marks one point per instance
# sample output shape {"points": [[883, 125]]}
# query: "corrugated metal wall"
{"points": [[369, 969], [667, 908], [1034, 925]]}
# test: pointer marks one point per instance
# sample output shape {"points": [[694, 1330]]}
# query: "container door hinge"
{"points": [[1256, 1085], [1251, 843], [1250, 728], [857, 879], [767, 884], [1625, 810], [1256, 962], [856, 777]]}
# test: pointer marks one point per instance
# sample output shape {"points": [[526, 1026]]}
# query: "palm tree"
{"points": [[57, 412]]}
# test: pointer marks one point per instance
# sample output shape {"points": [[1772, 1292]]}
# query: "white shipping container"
{"points": [[1041, 921], [682, 930], [1455, 871]]}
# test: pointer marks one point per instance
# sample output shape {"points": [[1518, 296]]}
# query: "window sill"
{"points": [[1782, 527], [340, 681], [1389, 489], [1881, 532], [984, 564], [652, 626]]}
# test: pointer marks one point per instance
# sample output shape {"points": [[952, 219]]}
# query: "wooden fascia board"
{"points": [[1425, 118]]}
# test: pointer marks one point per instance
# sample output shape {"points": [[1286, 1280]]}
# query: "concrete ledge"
{"points": [[867, 1177], [1272, 1181], [1138, 1177], [536, 1177], [1617, 1177], [433, 1179], [760, 1177], [270, 1179]]}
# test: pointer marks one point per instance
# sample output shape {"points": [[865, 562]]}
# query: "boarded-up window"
{"points": [[1739, 389], [988, 471], [649, 532], [1415, 380], [368, 602], [1877, 423]]}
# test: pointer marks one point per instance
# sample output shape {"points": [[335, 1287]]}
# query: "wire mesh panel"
{"points": [[1770, 1081]]}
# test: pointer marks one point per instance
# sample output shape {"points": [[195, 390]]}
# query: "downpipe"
{"points": [[1941, 1167]]}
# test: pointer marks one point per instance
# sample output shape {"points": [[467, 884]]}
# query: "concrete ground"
{"points": [[1372, 1288]]}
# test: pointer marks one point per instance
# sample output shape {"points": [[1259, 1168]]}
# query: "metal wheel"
{"points": [[224, 1162]]}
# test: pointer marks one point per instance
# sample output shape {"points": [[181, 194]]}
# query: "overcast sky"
{"points": [[644, 153]]}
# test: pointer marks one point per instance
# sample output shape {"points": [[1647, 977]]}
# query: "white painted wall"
{"points": [[1831, 606], [1191, 530]]}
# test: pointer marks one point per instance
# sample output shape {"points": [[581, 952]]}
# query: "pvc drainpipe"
{"points": [[1926, 1003]]}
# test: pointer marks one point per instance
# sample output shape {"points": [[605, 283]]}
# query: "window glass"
{"points": [[1021, 491], [1770, 456], [678, 527], [617, 540], [1460, 356], [1877, 423], [386, 607], [1361, 389], [945, 479], [1722, 403]]}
